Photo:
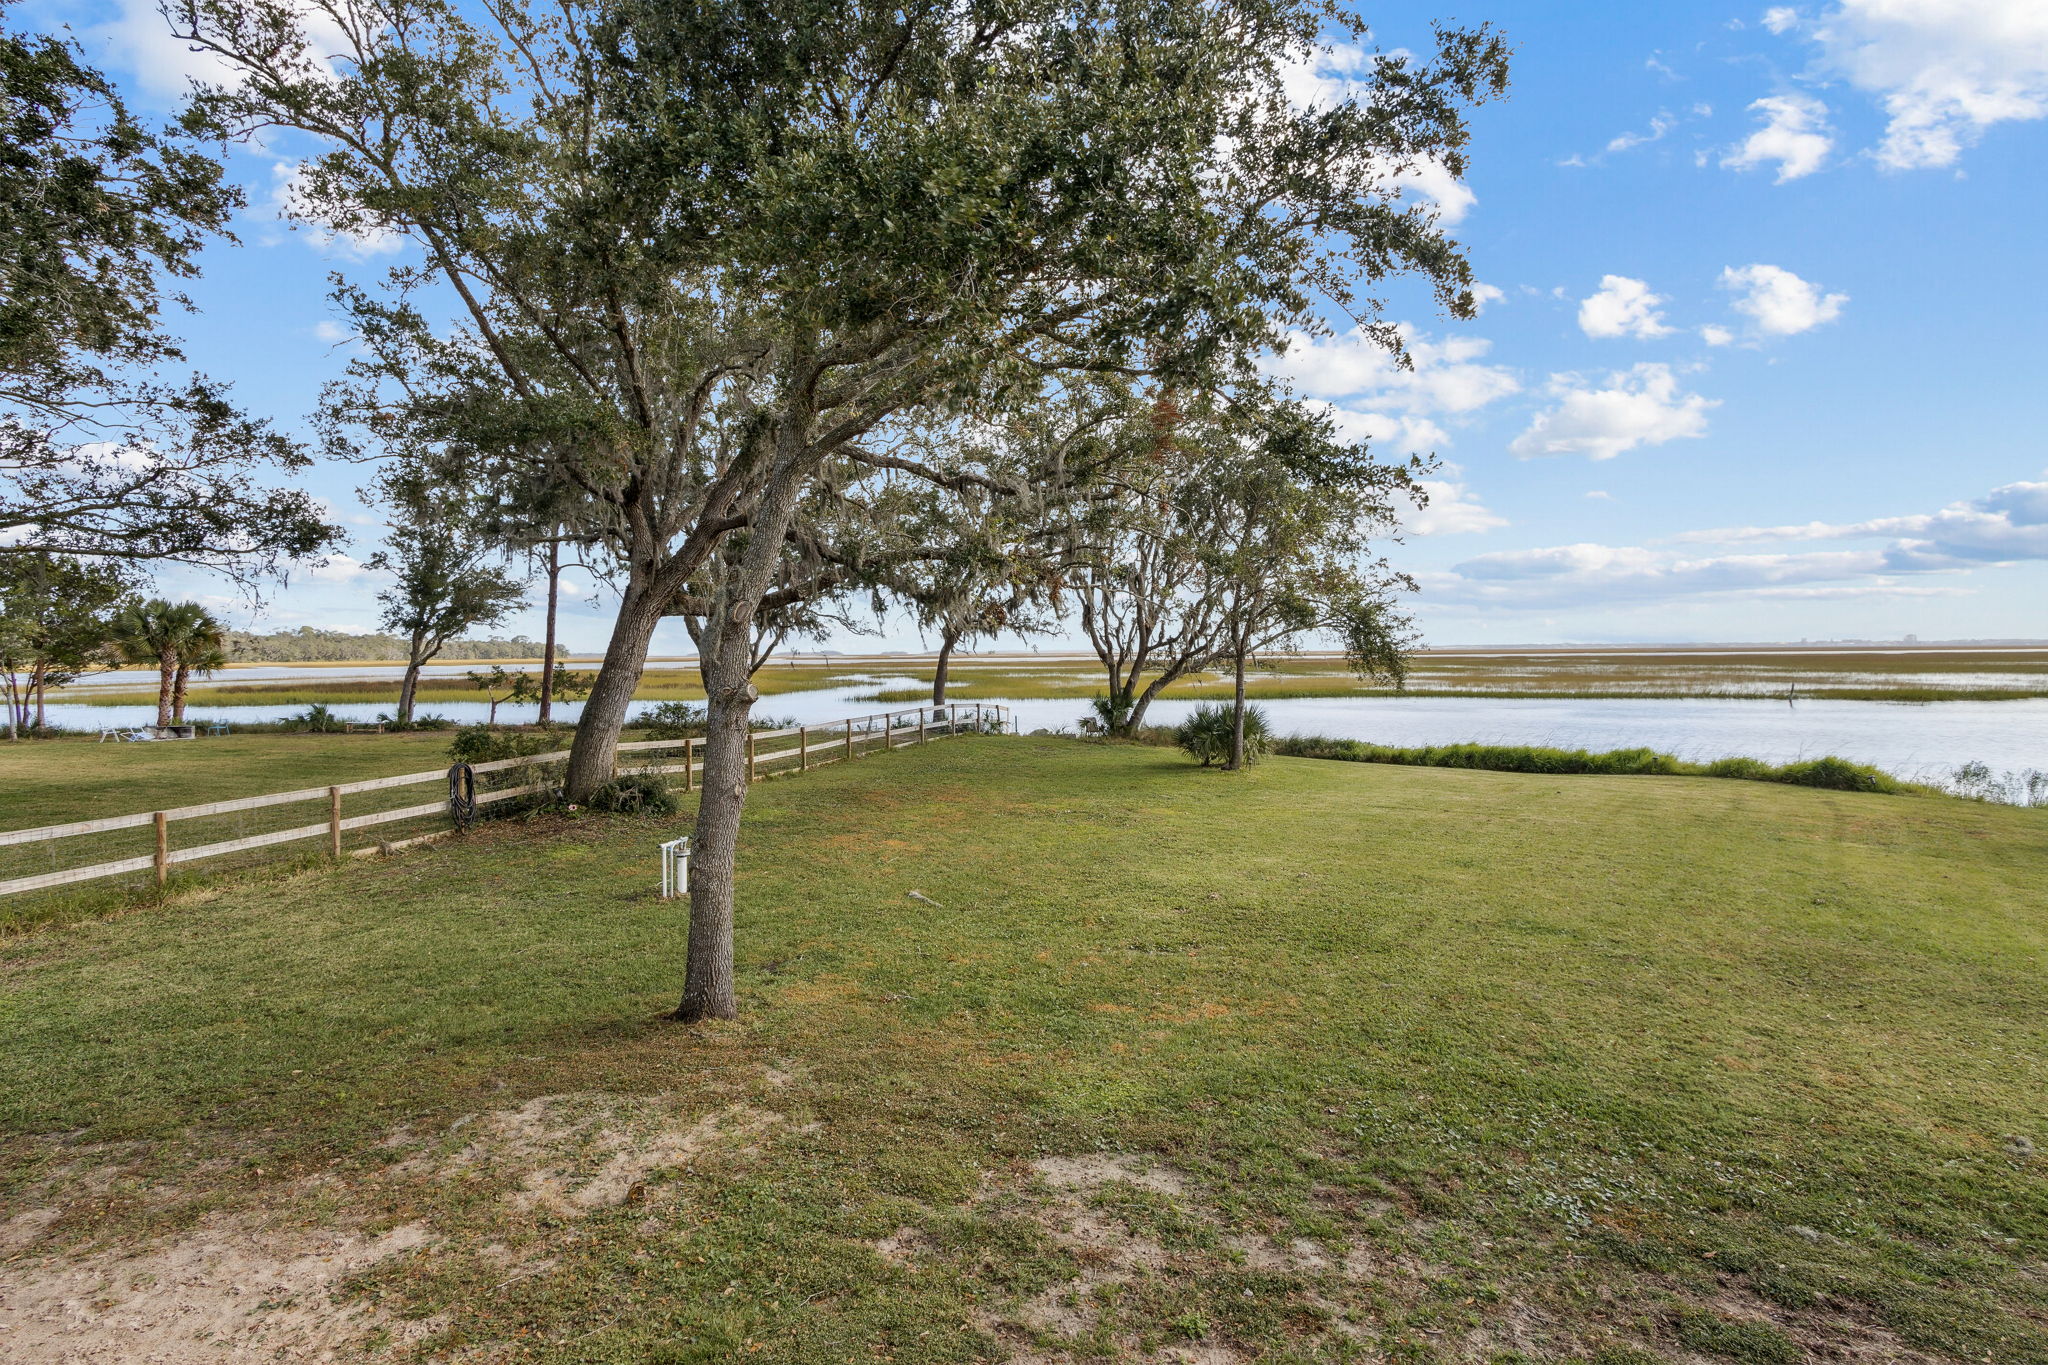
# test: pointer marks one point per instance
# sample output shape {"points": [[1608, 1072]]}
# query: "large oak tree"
{"points": [[693, 261]]}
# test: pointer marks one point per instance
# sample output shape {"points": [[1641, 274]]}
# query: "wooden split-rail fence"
{"points": [[769, 753]]}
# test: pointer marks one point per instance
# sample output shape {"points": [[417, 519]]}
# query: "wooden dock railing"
{"points": [[770, 753]]}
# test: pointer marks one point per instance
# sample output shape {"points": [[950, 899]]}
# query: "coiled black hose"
{"points": [[462, 795]]}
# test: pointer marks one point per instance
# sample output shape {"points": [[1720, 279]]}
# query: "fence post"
{"points": [[163, 848], [849, 737], [334, 822], [750, 757], [803, 748], [920, 725], [689, 761]]}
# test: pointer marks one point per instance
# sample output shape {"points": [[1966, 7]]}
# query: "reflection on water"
{"points": [[1920, 742], [1917, 741]]}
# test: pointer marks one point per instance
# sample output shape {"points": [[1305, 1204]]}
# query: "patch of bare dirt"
{"points": [[1837, 1331], [906, 1246], [250, 1286], [223, 1292], [1093, 1171], [1109, 1252], [575, 1153]]}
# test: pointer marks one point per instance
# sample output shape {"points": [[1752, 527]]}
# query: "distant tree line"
{"points": [[307, 645]]}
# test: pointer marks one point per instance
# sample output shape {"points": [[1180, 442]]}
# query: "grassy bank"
{"points": [[1831, 774], [1323, 1061]]}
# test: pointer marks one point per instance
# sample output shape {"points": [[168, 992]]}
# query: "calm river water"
{"points": [[1917, 741]]}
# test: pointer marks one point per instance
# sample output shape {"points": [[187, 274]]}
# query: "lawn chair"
{"points": [[138, 736], [216, 727]]}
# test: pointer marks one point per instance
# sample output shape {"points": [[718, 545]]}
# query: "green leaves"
{"points": [[98, 455]]}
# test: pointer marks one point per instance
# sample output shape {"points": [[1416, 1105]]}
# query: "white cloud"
{"points": [[333, 332], [1592, 574], [1779, 18], [1452, 198], [1406, 434], [1341, 72], [1659, 126], [1453, 509], [2006, 525], [139, 41], [1563, 575], [355, 514], [1484, 294], [1328, 77], [109, 457], [1944, 70], [335, 568], [288, 200], [1778, 301], [1599, 495], [537, 590], [1795, 135], [1716, 336], [1622, 307], [1446, 377], [1637, 407]]}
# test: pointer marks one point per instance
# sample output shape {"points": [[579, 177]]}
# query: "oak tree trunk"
{"points": [[547, 657], [593, 755], [409, 688], [946, 642], [726, 650], [729, 706], [1237, 719]]}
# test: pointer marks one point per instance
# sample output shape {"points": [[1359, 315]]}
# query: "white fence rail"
{"points": [[796, 749]]}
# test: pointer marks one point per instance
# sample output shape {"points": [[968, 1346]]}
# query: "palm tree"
{"points": [[202, 647], [176, 637]]}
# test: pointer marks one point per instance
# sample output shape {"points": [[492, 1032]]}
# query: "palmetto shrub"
{"points": [[1205, 734], [316, 719]]}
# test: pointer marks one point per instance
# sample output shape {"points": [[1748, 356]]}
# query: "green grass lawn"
{"points": [[58, 781], [1325, 1061], [50, 782]]}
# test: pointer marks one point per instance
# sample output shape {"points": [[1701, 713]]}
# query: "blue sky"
{"points": [[1761, 359]]}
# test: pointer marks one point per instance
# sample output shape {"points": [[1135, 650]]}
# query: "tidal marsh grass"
{"points": [[1853, 675]]}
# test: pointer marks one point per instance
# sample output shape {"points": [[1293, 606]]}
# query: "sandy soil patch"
{"points": [[252, 1286], [224, 1292]]}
